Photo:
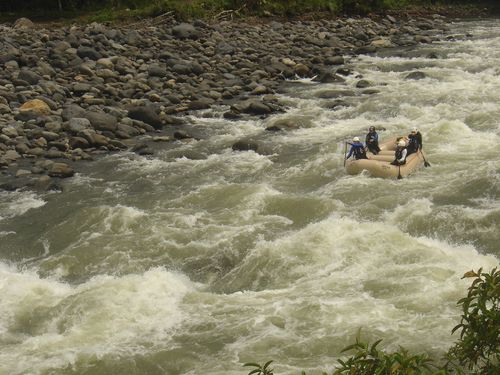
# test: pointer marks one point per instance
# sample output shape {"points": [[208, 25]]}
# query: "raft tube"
{"points": [[380, 165]]}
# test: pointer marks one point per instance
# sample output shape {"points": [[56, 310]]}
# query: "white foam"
{"points": [[51, 324], [18, 203]]}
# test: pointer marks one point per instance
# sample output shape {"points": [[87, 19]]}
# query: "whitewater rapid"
{"points": [[199, 259]]}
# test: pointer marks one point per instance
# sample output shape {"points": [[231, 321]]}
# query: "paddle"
{"points": [[425, 161], [345, 152], [399, 172]]}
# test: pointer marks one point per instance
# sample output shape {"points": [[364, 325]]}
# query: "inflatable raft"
{"points": [[380, 165]]}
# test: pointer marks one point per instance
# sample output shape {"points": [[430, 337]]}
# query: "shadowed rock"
{"points": [[245, 146], [146, 114]]}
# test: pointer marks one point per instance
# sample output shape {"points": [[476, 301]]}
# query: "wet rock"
{"points": [[361, 84], [181, 134], [45, 183], [301, 70], [61, 170], [330, 94], [416, 75], [203, 103], [328, 77], [79, 142], [334, 60], [382, 43], [146, 114], [245, 145]]}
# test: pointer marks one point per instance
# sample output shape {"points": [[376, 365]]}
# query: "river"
{"points": [[195, 265]]}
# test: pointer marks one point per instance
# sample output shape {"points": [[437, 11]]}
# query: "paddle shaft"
{"points": [[427, 164], [345, 153]]}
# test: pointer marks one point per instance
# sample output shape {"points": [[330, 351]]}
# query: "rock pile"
{"points": [[69, 93]]}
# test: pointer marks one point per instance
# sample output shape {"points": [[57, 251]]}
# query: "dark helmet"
{"points": [[371, 128]]}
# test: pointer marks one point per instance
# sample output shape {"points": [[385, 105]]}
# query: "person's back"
{"points": [[414, 141], [357, 149], [400, 154], [372, 141]]}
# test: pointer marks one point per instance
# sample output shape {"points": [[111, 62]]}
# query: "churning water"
{"points": [[195, 265]]}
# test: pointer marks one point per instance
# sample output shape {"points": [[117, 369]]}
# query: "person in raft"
{"points": [[400, 153], [372, 141], [414, 141], [357, 149]]}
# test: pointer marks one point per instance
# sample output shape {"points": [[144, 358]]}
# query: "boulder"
{"points": [[72, 111], [31, 77], [185, 31], [146, 114], [363, 83], [328, 77], [416, 75], [23, 23], [301, 70], [37, 106], [61, 170], [334, 60], [245, 145], [203, 103], [77, 124], [382, 43], [88, 52], [101, 121]]}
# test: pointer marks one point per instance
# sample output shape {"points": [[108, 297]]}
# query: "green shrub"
{"points": [[368, 360], [478, 348]]}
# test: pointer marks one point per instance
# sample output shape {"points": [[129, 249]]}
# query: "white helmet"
{"points": [[401, 143], [355, 139], [414, 130]]}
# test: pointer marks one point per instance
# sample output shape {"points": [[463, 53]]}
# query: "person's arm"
{"points": [[350, 152], [419, 137], [403, 156]]}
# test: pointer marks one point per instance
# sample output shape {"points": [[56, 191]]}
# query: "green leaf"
{"points": [[267, 364], [251, 364]]}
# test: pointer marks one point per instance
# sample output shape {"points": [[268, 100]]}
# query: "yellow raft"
{"points": [[380, 165]]}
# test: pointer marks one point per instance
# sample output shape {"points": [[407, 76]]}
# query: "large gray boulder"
{"points": [[101, 121], [61, 170], [146, 114]]}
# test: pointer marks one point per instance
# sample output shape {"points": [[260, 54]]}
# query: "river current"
{"points": [[199, 259]]}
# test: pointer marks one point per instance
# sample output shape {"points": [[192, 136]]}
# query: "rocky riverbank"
{"points": [[70, 94]]}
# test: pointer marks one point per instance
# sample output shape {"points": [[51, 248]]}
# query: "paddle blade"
{"points": [[427, 164]]}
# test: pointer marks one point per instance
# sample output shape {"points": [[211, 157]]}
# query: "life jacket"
{"points": [[359, 151], [372, 138], [413, 144], [399, 153]]}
